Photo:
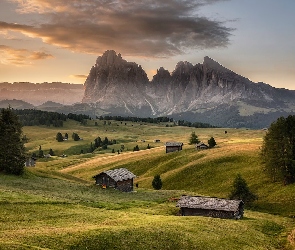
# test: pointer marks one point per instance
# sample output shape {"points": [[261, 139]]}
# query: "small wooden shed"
{"points": [[212, 207], [121, 179], [173, 146], [201, 145]]}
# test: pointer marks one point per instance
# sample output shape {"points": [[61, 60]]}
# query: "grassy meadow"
{"points": [[56, 205]]}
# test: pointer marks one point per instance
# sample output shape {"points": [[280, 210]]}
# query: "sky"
{"points": [[59, 40]]}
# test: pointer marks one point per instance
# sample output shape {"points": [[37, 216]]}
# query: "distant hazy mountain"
{"points": [[39, 93], [206, 92], [15, 104]]}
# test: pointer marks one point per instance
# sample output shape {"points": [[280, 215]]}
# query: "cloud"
{"points": [[83, 77], [20, 57], [39, 55], [134, 27]]}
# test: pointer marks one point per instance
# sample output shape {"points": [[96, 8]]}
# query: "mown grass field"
{"points": [[56, 205]]}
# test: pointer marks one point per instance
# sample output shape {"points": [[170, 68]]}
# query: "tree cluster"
{"points": [[194, 140], [195, 124], [278, 150], [33, 117], [103, 144], [156, 120], [136, 119], [59, 137], [79, 117]]}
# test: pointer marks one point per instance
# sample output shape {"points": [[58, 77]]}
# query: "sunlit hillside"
{"points": [[55, 205]]}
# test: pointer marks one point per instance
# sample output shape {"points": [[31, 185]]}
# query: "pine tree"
{"points": [[241, 191], [157, 182], [211, 142], [76, 137], [59, 137], [193, 138], [12, 150], [97, 142]]}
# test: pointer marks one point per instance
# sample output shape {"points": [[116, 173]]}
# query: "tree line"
{"points": [[157, 120], [33, 117]]}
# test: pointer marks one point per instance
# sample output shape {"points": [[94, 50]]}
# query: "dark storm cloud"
{"points": [[142, 28]]}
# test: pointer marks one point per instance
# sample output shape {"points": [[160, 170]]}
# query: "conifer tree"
{"points": [[211, 142], [157, 182], [12, 150], [241, 191], [278, 150], [193, 138], [59, 137]]}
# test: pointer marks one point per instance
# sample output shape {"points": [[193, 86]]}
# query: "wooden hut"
{"points": [[213, 207], [173, 146], [201, 145], [121, 179]]}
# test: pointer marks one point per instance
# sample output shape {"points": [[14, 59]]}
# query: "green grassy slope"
{"points": [[56, 205], [46, 213]]}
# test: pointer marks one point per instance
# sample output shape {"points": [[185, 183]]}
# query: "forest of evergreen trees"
{"points": [[33, 117], [157, 120]]}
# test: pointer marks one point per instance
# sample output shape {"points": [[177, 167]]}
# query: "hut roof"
{"points": [[172, 143], [119, 174], [209, 203], [201, 144]]}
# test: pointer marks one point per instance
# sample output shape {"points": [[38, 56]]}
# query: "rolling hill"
{"points": [[56, 205]]}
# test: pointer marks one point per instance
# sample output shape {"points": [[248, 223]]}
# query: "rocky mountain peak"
{"points": [[182, 68], [162, 76], [208, 92], [109, 58], [209, 63]]}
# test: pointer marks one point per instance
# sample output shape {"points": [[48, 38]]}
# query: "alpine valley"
{"points": [[206, 92]]}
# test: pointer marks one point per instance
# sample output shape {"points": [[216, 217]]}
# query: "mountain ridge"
{"points": [[122, 87]]}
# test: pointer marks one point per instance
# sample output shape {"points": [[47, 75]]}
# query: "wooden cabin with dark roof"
{"points": [[201, 145], [212, 207], [173, 146], [121, 179]]}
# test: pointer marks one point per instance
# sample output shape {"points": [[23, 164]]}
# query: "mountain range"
{"points": [[205, 92]]}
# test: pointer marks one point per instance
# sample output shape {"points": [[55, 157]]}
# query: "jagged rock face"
{"points": [[122, 87], [114, 82]]}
